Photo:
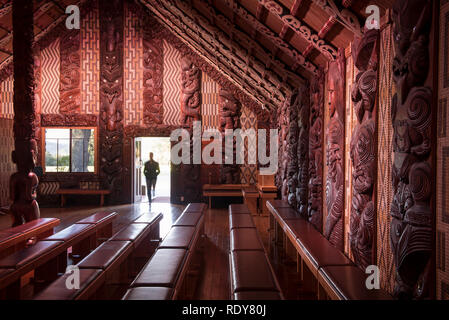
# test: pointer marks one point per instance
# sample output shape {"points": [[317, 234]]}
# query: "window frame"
{"points": [[96, 156]]}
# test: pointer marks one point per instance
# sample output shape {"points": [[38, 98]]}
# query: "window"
{"points": [[70, 150]]}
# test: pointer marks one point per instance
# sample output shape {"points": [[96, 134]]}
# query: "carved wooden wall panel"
{"points": [[229, 120], [111, 96], [153, 65], [69, 88], [315, 187], [190, 92], [363, 149], [303, 152], [290, 158], [283, 126], [411, 210], [442, 176], [333, 230]]}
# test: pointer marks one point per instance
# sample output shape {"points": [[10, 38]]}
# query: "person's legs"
{"points": [[149, 189], [153, 185]]}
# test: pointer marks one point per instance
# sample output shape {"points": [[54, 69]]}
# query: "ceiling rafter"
{"points": [[345, 17], [295, 7], [300, 28], [288, 49], [324, 30], [37, 14], [205, 50], [251, 45], [273, 86]]}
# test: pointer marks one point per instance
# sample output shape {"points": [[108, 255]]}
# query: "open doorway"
{"points": [[160, 147]]}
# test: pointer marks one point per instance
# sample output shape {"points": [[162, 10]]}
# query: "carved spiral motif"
{"points": [[420, 183], [419, 108]]}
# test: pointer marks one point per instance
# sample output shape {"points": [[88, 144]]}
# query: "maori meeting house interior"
{"points": [[224, 150]]}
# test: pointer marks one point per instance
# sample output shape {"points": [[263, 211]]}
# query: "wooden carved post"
{"points": [[292, 105], [363, 149], [70, 87], [333, 230], [281, 177], [412, 217], [315, 210], [23, 183], [111, 95], [303, 151], [229, 119], [190, 112]]}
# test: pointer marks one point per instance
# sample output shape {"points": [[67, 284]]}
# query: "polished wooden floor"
{"points": [[213, 279]]}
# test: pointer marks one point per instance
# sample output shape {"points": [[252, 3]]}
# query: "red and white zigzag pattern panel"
{"points": [[7, 98], [172, 85], [210, 114], [133, 71], [90, 62], [50, 78], [7, 167]]}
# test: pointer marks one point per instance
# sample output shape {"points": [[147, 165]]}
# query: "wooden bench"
{"points": [[106, 269], [102, 222], [330, 269], [223, 190], [65, 192], [15, 238], [251, 274], [165, 275]]}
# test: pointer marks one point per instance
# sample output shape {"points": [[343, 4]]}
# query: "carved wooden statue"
{"points": [[23, 183], [229, 119], [111, 95], [292, 104], [363, 149], [190, 92], [315, 209], [411, 225], [333, 230]]}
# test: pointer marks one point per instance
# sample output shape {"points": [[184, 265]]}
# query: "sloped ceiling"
{"points": [[267, 48]]}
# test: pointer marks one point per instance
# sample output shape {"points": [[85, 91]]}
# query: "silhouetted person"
{"points": [[151, 172]]}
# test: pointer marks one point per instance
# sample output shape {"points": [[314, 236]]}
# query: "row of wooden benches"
{"points": [[112, 265], [48, 257], [251, 274], [334, 275], [164, 277]]}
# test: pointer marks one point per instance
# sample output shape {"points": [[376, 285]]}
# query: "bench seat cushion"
{"points": [[241, 221], [250, 271], [34, 224], [148, 218], [162, 270], [276, 204], [245, 239], [320, 251], [59, 291], [130, 233], [349, 283], [27, 255], [148, 293], [297, 227], [98, 217], [195, 207], [5, 272], [287, 214], [188, 219], [104, 255], [257, 295], [5, 236], [178, 237], [70, 233], [239, 209]]}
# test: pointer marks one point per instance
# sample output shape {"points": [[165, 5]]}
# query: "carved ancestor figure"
{"points": [[111, 86], [303, 152], [363, 149], [411, 225], [281, 177], [23, 184], [190, 92], [334, 154], [229, 119], [70, 90], [315, 210], [293, 104], [152, 82]]}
